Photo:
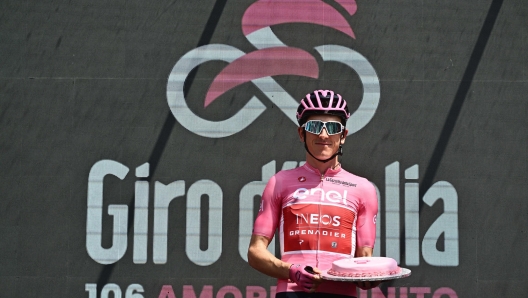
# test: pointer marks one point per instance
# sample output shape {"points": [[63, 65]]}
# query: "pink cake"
{"points": [[364, 267]]}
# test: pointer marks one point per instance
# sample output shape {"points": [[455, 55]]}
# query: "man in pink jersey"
{"points": [[323, 212]]}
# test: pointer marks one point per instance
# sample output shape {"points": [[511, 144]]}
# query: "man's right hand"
{"points": [[301, 277]]}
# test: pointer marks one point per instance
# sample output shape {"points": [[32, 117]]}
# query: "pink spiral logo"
{"points": [[271, 58]]}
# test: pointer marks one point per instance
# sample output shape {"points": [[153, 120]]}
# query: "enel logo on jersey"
{"points": [[319, 193]]}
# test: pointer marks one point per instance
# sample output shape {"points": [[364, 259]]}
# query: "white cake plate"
{"points": [[404, 273]]}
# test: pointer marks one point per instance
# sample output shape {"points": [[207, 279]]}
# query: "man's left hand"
{"points": [[367, 285]]}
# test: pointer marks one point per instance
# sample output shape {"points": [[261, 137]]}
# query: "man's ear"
{"points": [[343, 136], [300, 131]]}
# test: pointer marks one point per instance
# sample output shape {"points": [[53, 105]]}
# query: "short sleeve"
{"points": [[367, 214], [268, 217]]}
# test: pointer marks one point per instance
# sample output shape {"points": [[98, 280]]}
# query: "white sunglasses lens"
{"points": [[333, 128], [314, 127]]}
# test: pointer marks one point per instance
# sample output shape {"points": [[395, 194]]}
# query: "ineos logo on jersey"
{"points": [[272, 58], [315, 219]]}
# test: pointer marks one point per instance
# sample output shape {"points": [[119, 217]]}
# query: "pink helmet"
{"points": [[322, 102]]}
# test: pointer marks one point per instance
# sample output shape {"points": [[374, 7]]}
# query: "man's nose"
{"points": [[324, 133]]}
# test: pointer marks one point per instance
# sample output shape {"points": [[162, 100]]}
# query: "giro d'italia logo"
{"points": [[271, 58]]}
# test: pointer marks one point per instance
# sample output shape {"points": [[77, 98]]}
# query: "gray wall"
{"points": [[85, 90]]}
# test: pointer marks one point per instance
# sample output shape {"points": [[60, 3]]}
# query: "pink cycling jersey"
{"points": [[321, 218]]}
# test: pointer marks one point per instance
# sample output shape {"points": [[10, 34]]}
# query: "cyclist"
{"points": [[323, 212]]}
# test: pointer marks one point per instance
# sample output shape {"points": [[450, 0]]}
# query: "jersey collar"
{"points": [[329, 171]]}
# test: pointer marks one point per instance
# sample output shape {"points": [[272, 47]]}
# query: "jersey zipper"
{"points": [[319, 224], [321, 183]]}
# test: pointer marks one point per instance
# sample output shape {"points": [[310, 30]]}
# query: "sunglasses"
{"points": [[316, 127]]}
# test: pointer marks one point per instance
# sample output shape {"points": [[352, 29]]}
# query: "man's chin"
{"points": [[323, 156]]}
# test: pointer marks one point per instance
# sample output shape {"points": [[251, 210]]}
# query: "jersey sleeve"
{"points": [[367, 214], [268, 216]]}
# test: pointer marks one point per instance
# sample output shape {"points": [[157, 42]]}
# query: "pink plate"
{"points": [[404, 273]]}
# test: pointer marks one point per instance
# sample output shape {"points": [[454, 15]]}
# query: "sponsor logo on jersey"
{"points": [[341, 182], [314, 226], [331, 196]]}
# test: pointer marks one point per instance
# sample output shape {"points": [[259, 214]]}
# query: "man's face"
{"points": [[323, 146]]}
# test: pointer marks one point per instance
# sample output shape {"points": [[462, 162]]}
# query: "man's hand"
{"points": [[365, 252], [367, 285], [306, 277]]}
